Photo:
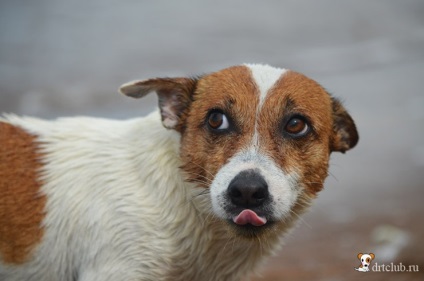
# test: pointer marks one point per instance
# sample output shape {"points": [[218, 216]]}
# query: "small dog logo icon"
{"points": [[365, 262]]}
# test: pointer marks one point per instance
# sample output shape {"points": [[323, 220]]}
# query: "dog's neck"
{"points": [[208, 247]]}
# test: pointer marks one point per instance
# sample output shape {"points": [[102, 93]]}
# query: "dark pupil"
{"points": [[215, 120], [295, 125]]}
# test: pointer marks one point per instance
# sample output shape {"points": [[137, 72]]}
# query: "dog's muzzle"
{"points": [[248, 194]]}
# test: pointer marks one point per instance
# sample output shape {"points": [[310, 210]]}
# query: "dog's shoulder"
{"points": [[21, 207]]}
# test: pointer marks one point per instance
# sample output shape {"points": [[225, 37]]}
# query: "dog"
{"points": [[204, 188], [365, 262]]}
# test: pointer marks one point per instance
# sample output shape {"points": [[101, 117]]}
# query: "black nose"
{"points": [[248, 189]]}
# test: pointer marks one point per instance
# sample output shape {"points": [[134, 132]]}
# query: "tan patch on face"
{"points": [[307, 156], [233, 92], [21, 205]]}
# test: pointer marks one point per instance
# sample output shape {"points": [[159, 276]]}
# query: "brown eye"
{"points": [[218, 121], [297, 127]]}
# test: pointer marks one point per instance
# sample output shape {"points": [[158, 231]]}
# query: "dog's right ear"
{"points": [[359, 255], [174, 94]]}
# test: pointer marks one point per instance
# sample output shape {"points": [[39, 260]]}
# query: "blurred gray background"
{"points": [[69, 58]]}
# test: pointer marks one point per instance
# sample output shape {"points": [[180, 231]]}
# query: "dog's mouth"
{"points": [[248, 216], [248, 223]]}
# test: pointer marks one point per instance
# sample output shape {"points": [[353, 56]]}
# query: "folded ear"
{"points": [[174, 96], [345, 135]]}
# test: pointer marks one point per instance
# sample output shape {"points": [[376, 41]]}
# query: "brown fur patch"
{"points": [[21, 205], [308, 156], [233, 92]]}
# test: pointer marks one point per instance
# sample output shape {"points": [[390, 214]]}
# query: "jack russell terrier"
{"points": [[365, 261], [202, 189]]}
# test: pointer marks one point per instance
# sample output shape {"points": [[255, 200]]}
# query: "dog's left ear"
{"points": [[372, 256], [174, 96], [345, 136]]}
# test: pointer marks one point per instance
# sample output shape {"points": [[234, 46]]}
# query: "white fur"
{"points": [[265, 77], [118, 208], [282, 188]]}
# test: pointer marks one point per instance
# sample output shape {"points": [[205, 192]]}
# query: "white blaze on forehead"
{"points": [[265, 77]]}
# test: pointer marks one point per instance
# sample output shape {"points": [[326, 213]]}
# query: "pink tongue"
{"points": [[249, 216]]}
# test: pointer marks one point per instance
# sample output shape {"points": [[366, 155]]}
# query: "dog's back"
{"points": [[74, 195]]}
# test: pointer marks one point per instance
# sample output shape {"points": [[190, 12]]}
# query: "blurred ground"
{"points": [[69, 57]]}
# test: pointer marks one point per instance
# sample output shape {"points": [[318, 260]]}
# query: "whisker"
{"points": [[204, 169], [202, 193], [199, 175], [303, 202], [314, 182], [260, 245], [331, 174], [301, 219], [194, 196], [201, 181], [226, 243], [210, 216]]}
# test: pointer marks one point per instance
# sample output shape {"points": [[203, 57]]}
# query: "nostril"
{"points": [[260, 194], [235, 193]]}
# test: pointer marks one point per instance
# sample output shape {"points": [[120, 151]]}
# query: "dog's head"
{"points": [[365, 259], [257, 137]]}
